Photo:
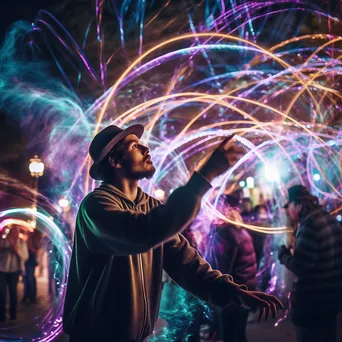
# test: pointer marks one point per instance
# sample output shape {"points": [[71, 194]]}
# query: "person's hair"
{"points": [[247, 199], [308, 205], [105, 169]]}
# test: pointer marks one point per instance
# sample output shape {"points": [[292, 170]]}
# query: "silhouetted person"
{"points": [[30, 282], [13, 253], [247, 209], [124, 238]]}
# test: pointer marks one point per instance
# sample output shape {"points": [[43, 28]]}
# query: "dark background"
{"points": [[14, 155]]}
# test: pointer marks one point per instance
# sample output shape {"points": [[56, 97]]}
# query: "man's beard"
{"points": [[138, 175], [148, 174]]}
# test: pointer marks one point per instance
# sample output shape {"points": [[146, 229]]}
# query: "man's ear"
{"points": [[114, 162]]}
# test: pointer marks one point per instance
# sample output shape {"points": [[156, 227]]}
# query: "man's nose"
{"points": [[144, 149]]}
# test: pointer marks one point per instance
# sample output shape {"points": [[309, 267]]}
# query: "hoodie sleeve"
{"points": [[189, 270], [108, 229]]}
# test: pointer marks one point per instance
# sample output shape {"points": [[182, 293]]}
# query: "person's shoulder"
{"points": [[97, 197], [320, 218], [227, 232], [241, 236]]}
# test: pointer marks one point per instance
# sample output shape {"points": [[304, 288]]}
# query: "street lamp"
{"points": [[36, 168]]}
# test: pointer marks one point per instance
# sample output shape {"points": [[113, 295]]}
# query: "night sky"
{"points": [[14, 156]]}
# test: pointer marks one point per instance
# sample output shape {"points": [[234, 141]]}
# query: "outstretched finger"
{"points": [[277, 302], [273, 309], [226, 142], [267, 312], [261, 312]]}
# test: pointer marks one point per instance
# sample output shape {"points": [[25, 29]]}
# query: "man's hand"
{"points": [[261, 301], [224, 157]]}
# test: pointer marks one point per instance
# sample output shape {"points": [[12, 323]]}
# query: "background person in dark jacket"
{"points": [[124, 238], [247, 212], [261, 218], [232, 252], [30, 282], [317, 263]]}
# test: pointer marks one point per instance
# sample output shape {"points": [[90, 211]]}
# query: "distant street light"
{"points": [[159, 194], [316, 177], [36, 168], [64, 203], [272, 172], [250, 183]]}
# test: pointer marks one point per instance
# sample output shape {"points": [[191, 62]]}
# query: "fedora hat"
{"points": [[105, 141], [299, 192]]}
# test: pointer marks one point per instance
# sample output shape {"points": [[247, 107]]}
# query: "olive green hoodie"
{"points": [[120, 250]]}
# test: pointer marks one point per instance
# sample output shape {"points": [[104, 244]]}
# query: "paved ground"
{"points": [[28, 316], [263, 332]]}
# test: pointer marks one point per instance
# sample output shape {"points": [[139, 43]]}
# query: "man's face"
{"points": [[136, 161], [293, 211], [262, 214], [246, 206]]}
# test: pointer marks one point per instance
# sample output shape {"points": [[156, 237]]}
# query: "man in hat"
{"points": [[316, 261], [124, 239]]}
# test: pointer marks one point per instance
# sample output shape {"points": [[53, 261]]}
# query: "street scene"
{"points": [[171, 171]]}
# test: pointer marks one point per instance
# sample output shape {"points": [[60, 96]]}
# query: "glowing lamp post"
{"points": [[36, 168]]}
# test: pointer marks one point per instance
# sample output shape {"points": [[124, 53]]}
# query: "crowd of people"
{"points": [[125, 239], [313, 255], [21, 259]]}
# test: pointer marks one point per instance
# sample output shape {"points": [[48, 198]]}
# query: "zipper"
{"points": [[144, 295], [144, 292]]}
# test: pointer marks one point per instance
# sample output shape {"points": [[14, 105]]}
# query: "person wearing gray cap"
{"points": [[124, 239]]}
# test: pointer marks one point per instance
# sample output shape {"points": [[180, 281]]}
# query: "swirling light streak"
{"points": [[257, 102], [10, 221], [50, 324]]}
